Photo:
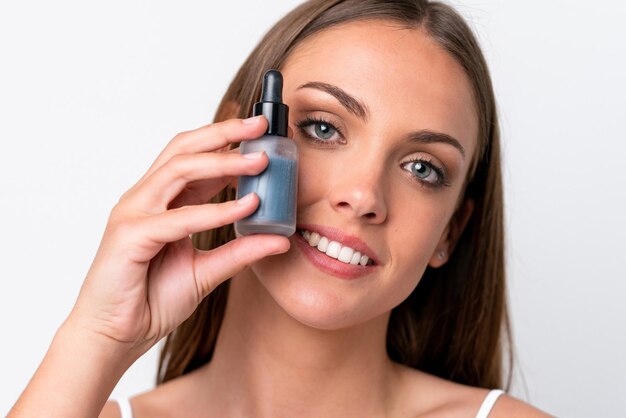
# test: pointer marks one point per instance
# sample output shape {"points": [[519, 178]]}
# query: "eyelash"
{"points": [[440, 171], [309, 121]]}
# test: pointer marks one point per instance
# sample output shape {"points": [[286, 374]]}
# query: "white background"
{"points": [[90, 93]]}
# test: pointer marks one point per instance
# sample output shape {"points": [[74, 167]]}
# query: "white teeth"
{"points": [[345, 254], [334, 249], [314, 239], [323, 244]]}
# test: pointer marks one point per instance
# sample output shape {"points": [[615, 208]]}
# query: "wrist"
{"points": [[77, 374], [113, 352]]}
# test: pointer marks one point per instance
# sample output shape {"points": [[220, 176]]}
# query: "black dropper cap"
{"points": [[271, 105]]}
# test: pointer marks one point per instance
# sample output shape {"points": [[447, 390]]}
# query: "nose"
{"points": [[360, 193]]}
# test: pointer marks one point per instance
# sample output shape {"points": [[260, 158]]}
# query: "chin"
{"points": [[315, 299]]}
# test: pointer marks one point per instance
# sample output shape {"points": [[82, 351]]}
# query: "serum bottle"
{"points": [[276, 186]]}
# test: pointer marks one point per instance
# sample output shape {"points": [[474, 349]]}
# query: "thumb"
{"points": [[215, 266]]}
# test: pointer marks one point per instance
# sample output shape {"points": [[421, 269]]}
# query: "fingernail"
{"points": [[253, 155], [247, 198], [252, 120]]}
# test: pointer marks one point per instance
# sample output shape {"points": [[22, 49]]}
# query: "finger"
{"points": [[211, 137], [214, 169], [152, 232], [215, 266], [201, 191]]}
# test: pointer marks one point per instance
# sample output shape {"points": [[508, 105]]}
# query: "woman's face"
{"points": [[386, 128]]}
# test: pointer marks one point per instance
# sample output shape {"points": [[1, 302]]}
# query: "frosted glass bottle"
{"points": [[277, 185]]}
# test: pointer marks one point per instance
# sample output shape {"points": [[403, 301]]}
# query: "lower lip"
{"points": [[330, 265]]}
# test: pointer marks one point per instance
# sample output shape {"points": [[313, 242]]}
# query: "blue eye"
{"points": [[426, 172], [324, 130], [420, 169], [320, 131]]}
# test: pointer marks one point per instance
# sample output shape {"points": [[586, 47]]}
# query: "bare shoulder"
{"points": [[165, 400], [509, 407], [426, 395], [110, 410], [147, 404]]}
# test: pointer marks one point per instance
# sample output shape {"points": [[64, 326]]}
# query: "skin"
{"points": [[360, 185], [295, 341]]}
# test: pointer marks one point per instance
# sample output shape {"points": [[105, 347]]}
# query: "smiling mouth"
{"points": [[335, 249]]}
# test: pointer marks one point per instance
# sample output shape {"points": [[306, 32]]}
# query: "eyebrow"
{"points": [[359, 109], [353, 105], [430, 137]]}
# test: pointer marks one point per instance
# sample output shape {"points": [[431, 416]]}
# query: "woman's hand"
{"points": [[147, 277]]}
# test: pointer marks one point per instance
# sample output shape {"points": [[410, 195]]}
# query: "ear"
{"points": [[452, 233]]}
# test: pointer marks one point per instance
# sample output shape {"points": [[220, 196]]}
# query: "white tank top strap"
{"points": [[483, 412], [488, 403], [125, 408]]}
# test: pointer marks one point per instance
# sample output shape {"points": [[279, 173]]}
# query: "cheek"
{"points": [[414, 234], [315, 176], [410, 244]]}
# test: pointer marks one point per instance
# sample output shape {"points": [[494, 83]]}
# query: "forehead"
{"points": [[402, 75]]}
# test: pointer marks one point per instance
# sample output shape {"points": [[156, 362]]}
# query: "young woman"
{"points": [[392, 110]]}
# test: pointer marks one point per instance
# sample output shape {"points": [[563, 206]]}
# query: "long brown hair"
{"points": [[455, 323]]}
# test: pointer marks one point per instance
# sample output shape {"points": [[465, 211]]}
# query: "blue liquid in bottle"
{"points": [[276, 186]]}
